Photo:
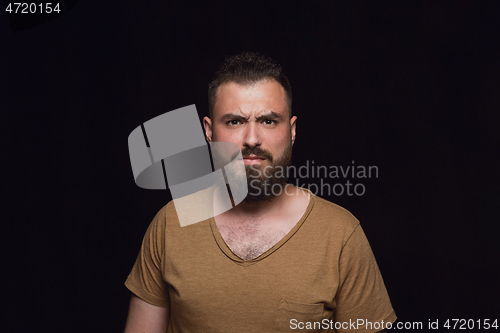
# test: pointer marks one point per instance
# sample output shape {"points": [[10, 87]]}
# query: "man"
{"points": [[283, 260]]}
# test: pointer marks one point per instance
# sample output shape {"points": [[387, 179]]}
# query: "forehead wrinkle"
{"points": [[237, 101]]}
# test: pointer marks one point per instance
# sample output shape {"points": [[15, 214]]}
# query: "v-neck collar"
{"points": [[227, 251]]}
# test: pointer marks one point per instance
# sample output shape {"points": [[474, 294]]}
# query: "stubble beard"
{"points": [[263, 182]]}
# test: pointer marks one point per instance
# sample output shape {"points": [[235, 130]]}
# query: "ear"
{"points": [[293, 123], [207, 124]]}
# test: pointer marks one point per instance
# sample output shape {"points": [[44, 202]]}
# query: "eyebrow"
{"points": [[235, 116], [269, 115]]}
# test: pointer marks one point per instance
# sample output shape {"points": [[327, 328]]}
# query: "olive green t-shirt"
{"points": [[321, 277]]}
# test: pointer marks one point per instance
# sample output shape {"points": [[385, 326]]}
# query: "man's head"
{"points": [[246, 69], [252, 108]]}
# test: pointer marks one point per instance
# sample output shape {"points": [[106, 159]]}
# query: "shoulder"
{"points": [[332, 218], [169, 212], [334, 213], [167, 219]]}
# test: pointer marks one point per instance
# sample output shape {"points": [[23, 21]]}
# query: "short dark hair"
{"points": [[248, 68]]}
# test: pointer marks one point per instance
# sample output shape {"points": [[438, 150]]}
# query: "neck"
{"points": [[266, 207]]}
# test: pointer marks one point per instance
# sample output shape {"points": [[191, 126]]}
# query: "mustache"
{"points": [[257, 151]]}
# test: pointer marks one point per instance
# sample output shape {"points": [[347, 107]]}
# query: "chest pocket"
{"points": [[298, 317]]}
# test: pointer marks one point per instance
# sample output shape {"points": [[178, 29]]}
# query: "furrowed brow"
{"points": [[269, 115], [232, 116]]}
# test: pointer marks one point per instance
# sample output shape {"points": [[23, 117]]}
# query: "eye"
{"points": [[233, 122], [269, 122]]}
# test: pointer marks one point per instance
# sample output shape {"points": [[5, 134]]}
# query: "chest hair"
{"points": [[250, 239]]}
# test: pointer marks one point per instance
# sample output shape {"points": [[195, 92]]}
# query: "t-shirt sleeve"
{"points": [[146, 278], [362, 295]]}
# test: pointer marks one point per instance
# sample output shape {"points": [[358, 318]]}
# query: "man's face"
{"points": [[256, 118]]}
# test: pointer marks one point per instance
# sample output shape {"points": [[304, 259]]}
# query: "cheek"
{"points": [[279, 144], [283, 139], [220, 134]]}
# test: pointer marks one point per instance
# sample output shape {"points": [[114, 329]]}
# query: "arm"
{"points": [[144, 317], [362, 293]]}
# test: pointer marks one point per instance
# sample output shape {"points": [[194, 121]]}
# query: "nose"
{"points": [[252, 136]]}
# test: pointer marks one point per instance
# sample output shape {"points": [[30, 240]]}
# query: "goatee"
{"points": [[264, 183]]}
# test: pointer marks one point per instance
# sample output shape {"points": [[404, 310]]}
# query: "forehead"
{"points": [[250, 99]]}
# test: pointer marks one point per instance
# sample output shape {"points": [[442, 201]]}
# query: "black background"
{"points": [[411, 87]]}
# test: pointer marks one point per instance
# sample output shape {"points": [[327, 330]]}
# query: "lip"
{"points": [[253, 159]]}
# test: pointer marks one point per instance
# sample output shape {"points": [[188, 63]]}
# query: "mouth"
{"points": [[253, 159]]}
